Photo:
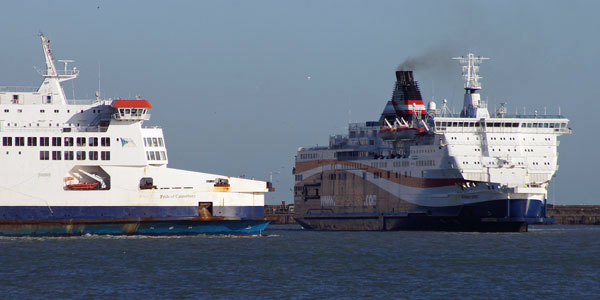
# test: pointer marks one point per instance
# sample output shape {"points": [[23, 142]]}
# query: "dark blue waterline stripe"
{"points": [[122, 212]]}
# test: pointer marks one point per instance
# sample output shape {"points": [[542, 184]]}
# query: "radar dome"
{"points": [[431, 106]]}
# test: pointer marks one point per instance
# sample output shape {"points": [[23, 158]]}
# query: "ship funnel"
{"points": [[405, 77], [406, 102]]}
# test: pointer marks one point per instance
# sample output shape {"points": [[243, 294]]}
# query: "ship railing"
{"points": [[18, 89], [82, 101]]}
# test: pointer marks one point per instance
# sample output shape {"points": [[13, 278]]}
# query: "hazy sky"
{"points": [[229, 79]]}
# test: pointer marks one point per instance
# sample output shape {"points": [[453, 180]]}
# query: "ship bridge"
{"points": [[131, 110]]}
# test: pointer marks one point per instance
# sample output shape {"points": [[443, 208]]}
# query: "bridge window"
{"points": [[32, 141], [19, 141], [56, 141], [93, 141], [105, 142], [7, 141], [69, 141], [80, 141]]}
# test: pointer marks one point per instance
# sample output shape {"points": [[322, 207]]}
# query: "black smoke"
{"points": [[438, 58]]}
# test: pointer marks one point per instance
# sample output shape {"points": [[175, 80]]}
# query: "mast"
{"points": [[473, 106], [51, 90]]}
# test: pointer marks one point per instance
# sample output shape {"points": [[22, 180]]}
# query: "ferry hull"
{"points": [[489, 216], [132, 227]]}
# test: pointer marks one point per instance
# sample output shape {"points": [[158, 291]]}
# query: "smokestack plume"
{"points": [[437, 57]]}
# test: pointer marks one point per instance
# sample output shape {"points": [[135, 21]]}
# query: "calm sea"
{"points": [[549, 262]]}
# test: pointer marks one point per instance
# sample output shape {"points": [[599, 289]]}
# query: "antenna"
{"points": [[98, 95], [53, 77], [433, 90], [349, 109], [469, 70]]}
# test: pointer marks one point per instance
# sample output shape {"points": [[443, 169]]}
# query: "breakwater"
{"points": [[563, 214], [575, 214]]}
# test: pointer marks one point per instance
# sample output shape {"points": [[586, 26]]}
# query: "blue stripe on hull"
{"points": [[184, 227], [122, 212]]}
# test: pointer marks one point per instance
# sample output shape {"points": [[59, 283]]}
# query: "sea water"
{"points": [[286, 262]]}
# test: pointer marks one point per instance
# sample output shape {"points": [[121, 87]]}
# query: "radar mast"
{"points": [[473, 106]]}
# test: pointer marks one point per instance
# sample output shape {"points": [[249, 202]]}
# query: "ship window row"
{"points": [[425, 163], [401, 164], [71, 155], [544, 125], [426, 150], [43, 110], [298, 177], [56, 141], [309, 156], [153, 142], [379, 165], [501, 124], [156, 155]]}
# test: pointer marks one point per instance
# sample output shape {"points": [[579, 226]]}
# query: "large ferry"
{"points": [[423, 168], [73, 167]]}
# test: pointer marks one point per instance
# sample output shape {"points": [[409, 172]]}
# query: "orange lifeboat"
{"points": [[82, 186]]}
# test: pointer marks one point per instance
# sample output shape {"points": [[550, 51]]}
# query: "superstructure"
{"points": [[72, 167], [423, 168]]}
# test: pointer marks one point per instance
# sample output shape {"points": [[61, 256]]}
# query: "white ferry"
{"points": [[423, 168], [74, 167]]}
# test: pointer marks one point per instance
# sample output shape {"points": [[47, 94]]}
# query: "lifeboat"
{"points": [[400, 133], [82, 186]]}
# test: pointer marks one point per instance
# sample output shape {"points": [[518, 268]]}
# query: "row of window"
{"points": [[156, 155], [425, 163], [6, 110], [309, 156], [500, 124], [71, 155], [379, 164], [153, 142], [56, 141], [401, 163], [501, 138]]}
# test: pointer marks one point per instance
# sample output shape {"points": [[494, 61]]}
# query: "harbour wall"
{"points": [[563, 214], [575, 214]]}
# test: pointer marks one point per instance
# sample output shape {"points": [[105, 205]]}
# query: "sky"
{"points": [[229, 80]]}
